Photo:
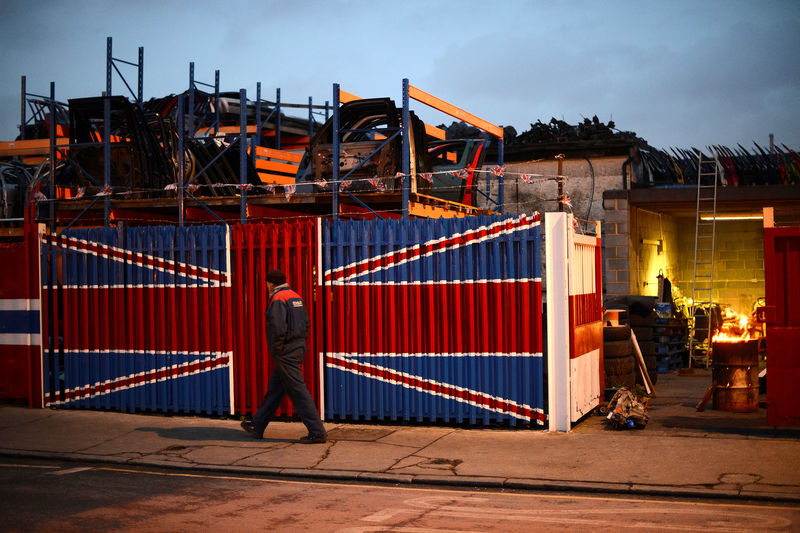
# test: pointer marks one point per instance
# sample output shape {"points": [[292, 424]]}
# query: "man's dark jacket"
{"points": [[287, 321]]}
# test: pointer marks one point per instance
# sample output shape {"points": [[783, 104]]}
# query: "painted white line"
{"points": [[71, 470]]}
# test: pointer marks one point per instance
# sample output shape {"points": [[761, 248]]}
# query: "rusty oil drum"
{"points": [[735, 371]]}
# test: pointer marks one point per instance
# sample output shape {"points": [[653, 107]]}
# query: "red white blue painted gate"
{"points": [[585, 321], [434, 320], [574, 321], [131, 319]]}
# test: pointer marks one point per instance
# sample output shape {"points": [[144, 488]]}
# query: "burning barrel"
{"points": [[735, 371]]}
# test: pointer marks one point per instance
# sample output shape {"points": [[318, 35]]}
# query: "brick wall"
{"points": [[738, 262], [616, 244]]}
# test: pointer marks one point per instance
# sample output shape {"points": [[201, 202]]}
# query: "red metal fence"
{"points": [[782, 275], [290, 246], [19, 322]]}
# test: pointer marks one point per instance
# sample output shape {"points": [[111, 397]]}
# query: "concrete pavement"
{"points": [[680, 452]]}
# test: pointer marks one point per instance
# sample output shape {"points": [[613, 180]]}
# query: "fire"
{"points": [[742, 329]]}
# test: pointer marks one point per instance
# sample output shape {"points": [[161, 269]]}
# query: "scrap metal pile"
{"points": [[560, 131], [740, 167]]}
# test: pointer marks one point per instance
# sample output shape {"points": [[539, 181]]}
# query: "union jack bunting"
{"points": [[39, 196], [245, 186], [566, 200], [463, 174], [171, 187], [377, 183], [322, 184], [499, 171], [192, 187], [81, 192], [527, 178], [427, 176], [401, 177], [270, 187], [105, 191], [288, 190], [344, 184]]}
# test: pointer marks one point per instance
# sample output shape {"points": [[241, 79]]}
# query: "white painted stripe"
{"points": [[447, 282], [125, 351], [202, 285], [359, 355], [19, 304], [70, 471], [20, 339]]}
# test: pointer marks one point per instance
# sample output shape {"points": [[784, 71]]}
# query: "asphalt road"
{"points": [[53, 496]]}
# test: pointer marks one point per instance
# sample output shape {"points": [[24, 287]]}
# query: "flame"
{"points": [[742, 329]]}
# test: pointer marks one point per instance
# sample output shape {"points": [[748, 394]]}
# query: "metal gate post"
{"points": [[558, 387]]}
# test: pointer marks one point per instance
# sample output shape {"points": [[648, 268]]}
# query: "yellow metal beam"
{"points": [[453, 111], [433, 131], [29, 147]]}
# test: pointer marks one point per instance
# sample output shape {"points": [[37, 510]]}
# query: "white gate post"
{"points": [[556, 267]]}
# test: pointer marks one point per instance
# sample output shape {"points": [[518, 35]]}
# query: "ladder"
{"points": [[708, 176]]}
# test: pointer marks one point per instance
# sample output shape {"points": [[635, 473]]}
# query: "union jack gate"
{"points": [[434, 320], [131, 319]]}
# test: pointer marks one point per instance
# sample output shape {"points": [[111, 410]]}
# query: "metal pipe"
{"points": [[406, 149], [106, 158], [191, 99], [335, 174], [52, 187], [278, 119], [310, 120], [560, 180], [243, 155], [109, 61], [257, 138], [181, 162], [23, 100], [500, 143], [140, 94], [216, 103]]}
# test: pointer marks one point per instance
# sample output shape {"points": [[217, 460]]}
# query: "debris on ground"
{"points": [[626, 411]]}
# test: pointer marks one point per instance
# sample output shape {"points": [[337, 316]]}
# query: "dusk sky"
{"points": [[678, 73]]}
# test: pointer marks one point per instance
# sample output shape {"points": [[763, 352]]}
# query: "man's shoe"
{"points": [[312, 439], [250, 428]]}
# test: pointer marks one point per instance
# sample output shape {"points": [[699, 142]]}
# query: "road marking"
{"points": [[451, 492], [10, 465], [71, 470]]}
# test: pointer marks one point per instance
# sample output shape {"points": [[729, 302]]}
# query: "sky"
{"points": [[677, 73]]}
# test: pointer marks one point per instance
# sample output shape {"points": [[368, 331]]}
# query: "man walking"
{"points": [[287, 329]]}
